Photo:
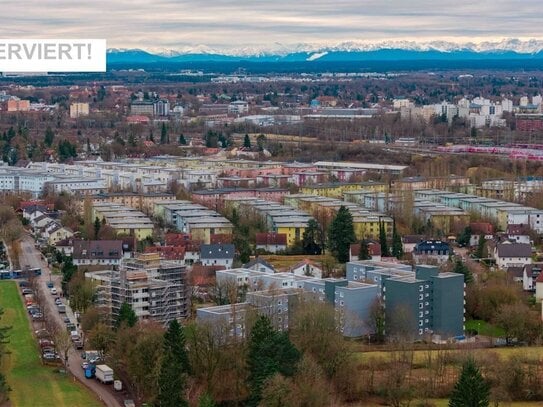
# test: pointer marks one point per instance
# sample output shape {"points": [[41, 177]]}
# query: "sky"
{"points": [[181, 25]]}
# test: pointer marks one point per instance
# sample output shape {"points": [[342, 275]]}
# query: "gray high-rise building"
{"points": [[427, 302]]}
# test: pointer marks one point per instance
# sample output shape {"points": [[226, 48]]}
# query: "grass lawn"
{"points": [[484, 328], [32, 383]]}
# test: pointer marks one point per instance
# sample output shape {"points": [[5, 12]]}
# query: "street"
{"points": [[30, 256]]}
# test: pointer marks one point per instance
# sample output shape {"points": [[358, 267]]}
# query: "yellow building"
{"points": [[336, 190], [140, 202], [124, 220], [203, 232], [294, 232]]}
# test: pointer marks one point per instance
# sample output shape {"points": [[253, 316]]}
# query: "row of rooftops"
{"points": [[122, 217], [358, 212], [278, 215]]}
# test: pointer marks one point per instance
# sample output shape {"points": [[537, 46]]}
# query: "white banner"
{"points": [[53, 55]]}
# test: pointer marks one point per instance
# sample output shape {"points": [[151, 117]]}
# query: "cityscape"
{"points": [[277, 211]]}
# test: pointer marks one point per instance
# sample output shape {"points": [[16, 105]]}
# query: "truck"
{"points": [[104, 374]]}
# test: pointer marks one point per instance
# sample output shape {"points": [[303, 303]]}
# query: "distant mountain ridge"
{"points": [[346, 51]]}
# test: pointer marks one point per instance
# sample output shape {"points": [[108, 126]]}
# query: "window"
{"points": [[421, 314], [421, 297], [420, 323], [421, 288], [420, 305]]}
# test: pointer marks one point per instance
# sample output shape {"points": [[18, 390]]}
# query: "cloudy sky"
{"points": [[272, 24]]}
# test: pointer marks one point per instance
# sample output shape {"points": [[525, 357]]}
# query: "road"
{"points": [[30, 256]]}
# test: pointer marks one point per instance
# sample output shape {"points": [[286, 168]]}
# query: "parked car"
{"points": [[50, 284], [58, 301], [54, 291], [66, 320], [37, 316], [46, 342], [70, 327], [50, 356], [27, 291], [48, 350], [42, 334], [78, 343]]}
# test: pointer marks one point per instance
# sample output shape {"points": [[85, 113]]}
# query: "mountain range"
{"points": [[508, 49]]}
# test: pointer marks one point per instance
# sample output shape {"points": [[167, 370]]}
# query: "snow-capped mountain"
{"points": [[349, 50]]}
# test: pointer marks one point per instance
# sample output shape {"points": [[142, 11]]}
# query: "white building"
{"points": [[79, 110]]}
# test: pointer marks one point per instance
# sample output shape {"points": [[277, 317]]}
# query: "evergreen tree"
{"points": [[471, 390], [341, 234], [206, 400], [364, 253], [461, 268], [173, 368], [88, 145], [397, 247], [383, 239], [164, 134], [49, 136], [97, 226], [132, 140], [126, 316], [247, 141], [312, 238], [182, 140], [270, 352], [480, 252], [151, 136], [464, 237]]}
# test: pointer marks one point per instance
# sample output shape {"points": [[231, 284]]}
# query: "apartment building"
{"points": [[157, 290], [79, 110]]}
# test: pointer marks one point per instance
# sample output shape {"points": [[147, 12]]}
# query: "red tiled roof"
{"points": [[271, 238], [478, 228], [167, 252], [220, 238], [373, 248]]}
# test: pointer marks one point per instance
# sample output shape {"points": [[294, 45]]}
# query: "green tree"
{"points": [[480, 251], [173, 368], [126, 316], [164, 139], [270, 352], [341, 234], [364, 253], [471, 389], [397, 247], [261, 142], [97, 226], [312, 238], [182, 140], [49, 137], [206, 400], [383, 239], [464, 237], [461, 268], [247, 141]]}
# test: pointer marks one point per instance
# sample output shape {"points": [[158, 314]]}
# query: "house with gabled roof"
{"points": [[271, 242], [259, 264], [97, 252], [512, 255], [217, 255]]}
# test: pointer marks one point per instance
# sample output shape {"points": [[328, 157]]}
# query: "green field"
{"points": [[32, 383], [484, 328]]}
